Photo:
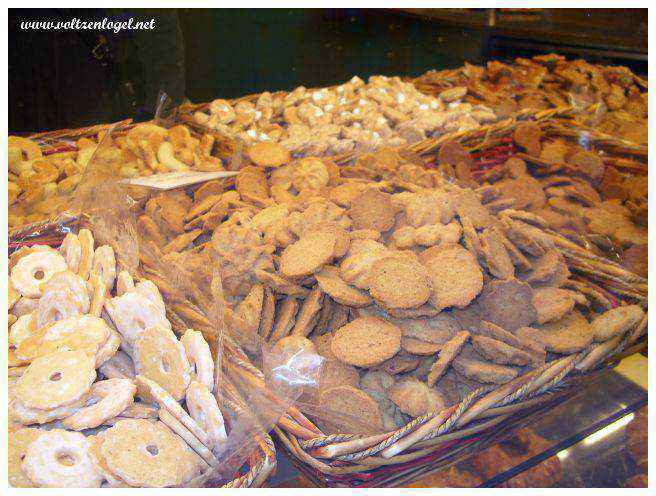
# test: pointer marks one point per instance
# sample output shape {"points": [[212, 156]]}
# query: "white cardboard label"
{"points": [[172, 180]]}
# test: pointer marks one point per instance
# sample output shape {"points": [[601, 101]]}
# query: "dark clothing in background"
{"points": [[56, 82]]}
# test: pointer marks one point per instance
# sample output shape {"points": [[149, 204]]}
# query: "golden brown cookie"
{"points": [[307, 255], [415, 398], [483, 371], [496, 256], [334, 286], [616, 321], [500, 352], [570, 334], [373, 210], [456, 277], [552, 303], [366, 341], [507, 304], [268, 154], [448, 352], [399, 282], [350, 410]]}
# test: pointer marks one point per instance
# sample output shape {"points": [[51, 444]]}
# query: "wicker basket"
{"points": [[439, 439]]}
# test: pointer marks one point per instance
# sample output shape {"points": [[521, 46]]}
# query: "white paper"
{"points": [[172, 180]]}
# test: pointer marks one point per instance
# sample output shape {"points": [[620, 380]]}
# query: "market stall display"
{"points": [[391, 275]]}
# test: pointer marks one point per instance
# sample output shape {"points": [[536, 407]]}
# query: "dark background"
{"points": [[56, 82]]}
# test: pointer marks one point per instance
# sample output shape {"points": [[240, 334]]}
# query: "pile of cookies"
{"points": [[578, 191], [354, 116], [412, 289], [41, 186], [98, 379], [547, 81]]}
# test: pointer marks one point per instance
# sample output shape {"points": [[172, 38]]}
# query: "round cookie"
{"points": [[415, 398], [616, 321], [268, 154], [366, 341], [350, 410], [145, 453], [56, 380], [334, 286], [399, 282], [161, 357], [456, 278], [567, 335], [307, 255], [507, 303], [59, 458], [373, 210]]}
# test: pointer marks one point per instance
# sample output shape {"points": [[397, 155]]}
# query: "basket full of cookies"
{"points": [[411, 302]]}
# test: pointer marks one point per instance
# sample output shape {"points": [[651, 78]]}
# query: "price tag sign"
{"points": [[172, 180]]}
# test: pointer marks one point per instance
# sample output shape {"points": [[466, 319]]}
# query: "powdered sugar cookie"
{"points": [[34, 269], [119, 366], [200, 357], [132, 313], [144, 453], [104, 265], [161, 357], [19, 440], [366, 341], [205, 411], [107, 399], [59, 458], [86, 256], [55, 380], [71, 249]]}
